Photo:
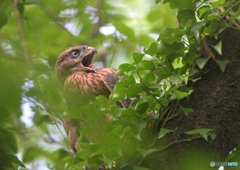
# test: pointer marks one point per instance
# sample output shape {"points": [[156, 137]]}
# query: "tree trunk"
{"points": [[216, 105]]}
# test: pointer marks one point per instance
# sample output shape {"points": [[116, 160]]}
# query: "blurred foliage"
{"points": [[34, 32]]}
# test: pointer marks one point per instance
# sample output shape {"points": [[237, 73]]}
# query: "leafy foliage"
{"points": [[34, 33]]}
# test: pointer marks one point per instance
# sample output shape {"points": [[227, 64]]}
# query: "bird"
{"points": [[82, 83]]}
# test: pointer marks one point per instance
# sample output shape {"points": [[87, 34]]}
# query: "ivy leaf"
{"points": [[147, 152], [187, 110], [213, 136], [181, 95], [139, 125], [163, 132], [174, 79], [202, 11], [141, 106], [201, 62], [222, 64], [197, 27], [218, 47], [185, 15], [203, 132], [192, 71]]}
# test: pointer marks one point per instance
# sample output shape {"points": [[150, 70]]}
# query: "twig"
{"points": [[54, 16], [236, 24], [99, 23], [27, 59], [21, 35], [174, 142]]}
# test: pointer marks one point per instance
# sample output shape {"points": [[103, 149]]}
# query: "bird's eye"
{"points": [[75, 53]]}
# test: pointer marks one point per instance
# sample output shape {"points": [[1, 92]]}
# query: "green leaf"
{"points": [[180, 94], [157, 1], [201, 62], [101, 101], [151, 101], [166, 49], [171, 35], [148, 77], [133, 90], [185, 15], [146, 65], [177, 63], [40, 119], [216, 3], [222, 64], [126, 30], [141, 106], [196, 28], [202, 11], [32, 153], [212, 17], [183, 4], [72, 112], [118, 95], [174, 79], [192, 71], [124, 68], [147, 152], [140, 168], [203, 132], [137, 57], [152, 49], [163, 132], [218, 47], [187, 110], [213, 136], [139, 125], [8, 141], [14, 159]]}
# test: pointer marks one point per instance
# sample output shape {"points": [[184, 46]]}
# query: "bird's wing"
{"points": [[108, 77]]}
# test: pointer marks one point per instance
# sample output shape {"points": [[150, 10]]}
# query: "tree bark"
{"points": [[216, 105]]}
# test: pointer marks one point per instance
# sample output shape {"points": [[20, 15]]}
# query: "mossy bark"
{"points": [[216, 105]]}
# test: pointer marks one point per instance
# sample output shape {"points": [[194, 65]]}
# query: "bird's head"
{"points": [[74, 59]]}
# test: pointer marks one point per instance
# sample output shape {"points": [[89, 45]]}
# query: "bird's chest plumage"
{"points": [[81, 87]]}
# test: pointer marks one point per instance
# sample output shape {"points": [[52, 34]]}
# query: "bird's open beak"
{"points": [[86, 60]]}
